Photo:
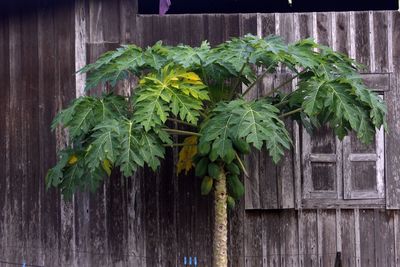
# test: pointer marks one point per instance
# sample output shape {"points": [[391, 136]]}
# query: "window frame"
{"points": [[344, 196]]}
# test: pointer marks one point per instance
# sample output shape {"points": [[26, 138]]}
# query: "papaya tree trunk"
{"points": [[220, 245]]}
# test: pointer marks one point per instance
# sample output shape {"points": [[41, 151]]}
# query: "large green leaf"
{"points": [[257, 122], [113, 66], [172, 90]]}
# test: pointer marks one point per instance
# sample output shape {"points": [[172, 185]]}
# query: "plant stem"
{"points": [[182, 122], [240, 74], [257, 80], [181, 132], [220, 242], [242, 165], [178, 145], [290, 112]]}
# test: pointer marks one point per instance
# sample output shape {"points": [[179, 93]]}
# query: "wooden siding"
{"points": [[157, 219]]}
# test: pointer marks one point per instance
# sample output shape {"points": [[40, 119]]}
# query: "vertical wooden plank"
{"points": [[272, 237], [341, 32], [116, 219], [286, 27], [144, 27], [50, 200], [384, 238], [248, 24], [253, 239], [32, 182], [237, 235], [267, 24], [104, 21], [196, 23], [14, 191], [362, 38], [367, 238], [327, 237], [128, 10], [289, 252], [380, 32], [392, 141], [81, 210], [231, 26], [135, 216], [151, 217], [324, 28], [4, 130], [396, 230], [395, 34], [309, 237], [348, 236], [167, 213], [65, 84]]}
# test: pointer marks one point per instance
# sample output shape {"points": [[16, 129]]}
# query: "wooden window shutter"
{"points": [[322, 164], [363, 168]]}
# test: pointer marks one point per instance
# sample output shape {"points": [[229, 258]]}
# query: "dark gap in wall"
{"points": [[254, 6]]}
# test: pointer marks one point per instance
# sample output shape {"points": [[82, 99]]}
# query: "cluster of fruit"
{"points": [[211, 167]]}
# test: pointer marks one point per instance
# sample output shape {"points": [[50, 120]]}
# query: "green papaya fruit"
{"points": [[214, 171], [236, 187], [229, 156], [213, 155], [204, 148], [206, 185], [241, 146], [233, 168], [201, 167], [231, 202]]}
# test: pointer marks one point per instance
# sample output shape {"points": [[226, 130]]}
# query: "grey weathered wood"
{"points": [[341, 32], [253, 247], [380, 33], [326, 237], [367, 238], [347, 227], [4, 132], [363, 173], [392, 144], [362, 38], [325, 202], [379, 82], [384, 242], [309, 238]]}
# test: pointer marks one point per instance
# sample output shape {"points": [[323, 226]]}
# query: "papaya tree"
{"points": [[199, 93]]}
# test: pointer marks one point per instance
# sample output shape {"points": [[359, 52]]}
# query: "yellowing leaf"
{"points": [[186, 154], [191, 76], [106, 166], [72, 159]]}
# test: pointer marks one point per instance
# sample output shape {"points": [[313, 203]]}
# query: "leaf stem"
{"points": [[257, 80], [181, 132], [290, 112], [182, 122], [241, 165], [240, 74], [178, 145]]}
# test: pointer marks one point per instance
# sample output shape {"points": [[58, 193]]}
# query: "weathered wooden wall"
{"points": [[157, 219]]}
